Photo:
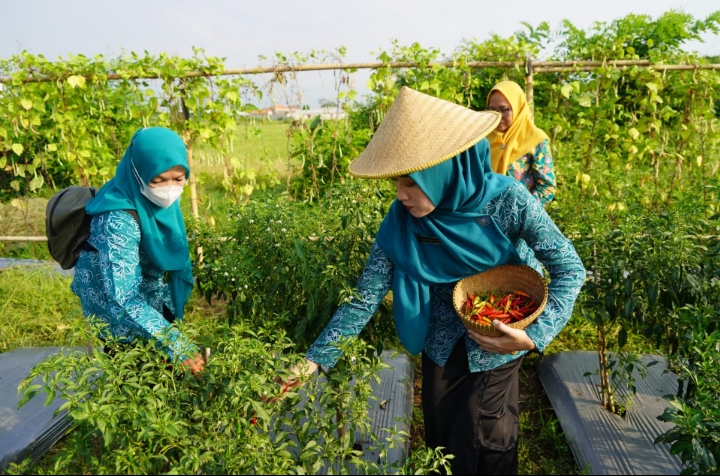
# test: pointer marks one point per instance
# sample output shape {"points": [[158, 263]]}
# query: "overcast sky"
{"points": [[240, 31]]}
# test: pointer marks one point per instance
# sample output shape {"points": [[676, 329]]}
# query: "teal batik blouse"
{"points": [[120, 286], [538, 242]]}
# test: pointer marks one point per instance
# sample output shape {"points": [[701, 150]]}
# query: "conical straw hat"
{"points": [[420, 131]]}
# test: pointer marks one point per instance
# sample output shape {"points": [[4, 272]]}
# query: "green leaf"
{"points": [[622, 338], [26, 104], [36, 183], [261, 413], [76, 81], [652, 294], [652, 87], [52, 148], [299, 249], [30, 392], [18, 149], [633, 133], [585, 101], [566, 90]]}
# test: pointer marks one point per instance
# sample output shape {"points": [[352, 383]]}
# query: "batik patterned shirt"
{"points": [[535, 170], [538, 242], [119, 285]]}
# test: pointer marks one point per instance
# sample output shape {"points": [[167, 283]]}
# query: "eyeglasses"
{"points": [[504, 111]]}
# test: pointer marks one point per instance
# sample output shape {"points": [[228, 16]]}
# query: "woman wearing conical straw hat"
{"points": [[453, 218], [518, 148]]}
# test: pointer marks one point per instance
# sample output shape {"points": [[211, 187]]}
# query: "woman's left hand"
{"points": [[512, 340]]}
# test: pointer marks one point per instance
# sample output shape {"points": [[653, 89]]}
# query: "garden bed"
{"points": [[603, 442], [31, 430]]}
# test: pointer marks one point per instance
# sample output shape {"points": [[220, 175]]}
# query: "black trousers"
{"points": [[474, 416]]}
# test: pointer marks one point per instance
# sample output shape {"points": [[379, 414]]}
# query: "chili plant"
{"points": [[135, 412], [696, 435], [293, 263]]}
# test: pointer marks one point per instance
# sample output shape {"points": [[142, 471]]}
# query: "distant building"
{"points": [[325, 113], [282, 112]]}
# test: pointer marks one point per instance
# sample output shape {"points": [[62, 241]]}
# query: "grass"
{"points": [[259, 145], [23, 217], [36, 308]]}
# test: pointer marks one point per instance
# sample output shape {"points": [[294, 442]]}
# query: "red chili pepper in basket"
{"points": [[510, 307], [517, 315]]}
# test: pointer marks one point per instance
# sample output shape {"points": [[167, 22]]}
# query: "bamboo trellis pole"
{"points": [[538, 67], [658, 67], [23, 238], [529, 93]]}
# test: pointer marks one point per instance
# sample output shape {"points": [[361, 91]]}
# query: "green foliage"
{"points": [[635, 36], [74, 129], [324, 149], [295, 261], [696, 436], [134, 413]]}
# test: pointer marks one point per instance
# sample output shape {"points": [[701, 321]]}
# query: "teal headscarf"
{"points": [[164, 240], [467, 242]]}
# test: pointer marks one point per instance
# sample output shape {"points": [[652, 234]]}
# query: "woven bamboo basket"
{"points": [[505, 278]]}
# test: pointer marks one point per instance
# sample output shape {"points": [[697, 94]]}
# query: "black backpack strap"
{"points": [[133, 213], [88, 247]]}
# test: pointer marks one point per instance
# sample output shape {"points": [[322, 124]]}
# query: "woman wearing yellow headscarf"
{"points": [[518, 148]]}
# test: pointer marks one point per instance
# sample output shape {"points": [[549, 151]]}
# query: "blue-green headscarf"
{"points": [[163, 237], [469, 241]]}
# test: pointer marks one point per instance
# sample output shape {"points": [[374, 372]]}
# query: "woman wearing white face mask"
{"points": [[136, 274]]}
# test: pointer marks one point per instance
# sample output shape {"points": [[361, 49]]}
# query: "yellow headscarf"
{"points": [[522, 136]]}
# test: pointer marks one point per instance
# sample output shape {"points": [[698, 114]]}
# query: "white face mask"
{"points": [[161, 196]]}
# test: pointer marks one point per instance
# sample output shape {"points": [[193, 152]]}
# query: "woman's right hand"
{"points": [[297, 375], [196, 364]]}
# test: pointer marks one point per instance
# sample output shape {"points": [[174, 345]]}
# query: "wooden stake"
{"points": [[192, 181], [187, 138], [529, 93], [23, 238]]}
